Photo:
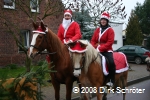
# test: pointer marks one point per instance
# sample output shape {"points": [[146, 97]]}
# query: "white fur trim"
{"points": [[70, 40], [100, 35], [98, 48], [65, 41], [110, 51], [104, 66], [105, 17], [67, 13], [122, 70], [39, 32], [77, 50]]}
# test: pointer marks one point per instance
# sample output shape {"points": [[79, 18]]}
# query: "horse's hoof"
{"points": [[104, 99]]}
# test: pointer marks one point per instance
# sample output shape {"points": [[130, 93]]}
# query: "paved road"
{"points": [[133, 96], [138, 71]]}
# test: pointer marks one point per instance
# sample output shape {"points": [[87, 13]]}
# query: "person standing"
{"points": [[102, 40]]}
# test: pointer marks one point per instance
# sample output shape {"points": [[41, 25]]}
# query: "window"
{"points": [[132, 49], [123, 49], [115, 42], [9, 4], [24, 38], [34, 5]]}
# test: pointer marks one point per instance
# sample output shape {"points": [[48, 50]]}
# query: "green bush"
{"points": [[12, 66], [40, 63]]}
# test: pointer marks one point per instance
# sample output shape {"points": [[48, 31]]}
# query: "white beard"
{"points": [[66, 23]]}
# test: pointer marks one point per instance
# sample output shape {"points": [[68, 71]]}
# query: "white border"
{"points": [[10, 7], [77, 50], [33, 10]]}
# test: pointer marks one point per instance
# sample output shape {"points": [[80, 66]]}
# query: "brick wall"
{"points": [[8, 49]]}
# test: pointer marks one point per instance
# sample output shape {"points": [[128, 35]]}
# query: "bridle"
{"points": [[40, 50], [83, 62]]}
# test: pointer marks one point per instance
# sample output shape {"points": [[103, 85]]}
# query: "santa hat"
{"points": [[68, 11], [105, 15], [77, 48], [39, 30]]}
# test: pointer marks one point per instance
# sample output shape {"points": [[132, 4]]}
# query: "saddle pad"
{"points": [[120, 62]]}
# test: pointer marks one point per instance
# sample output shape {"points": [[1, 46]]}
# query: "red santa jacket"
{"points": [[103, 42], [72, 33]]}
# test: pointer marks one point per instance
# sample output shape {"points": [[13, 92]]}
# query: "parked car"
{"points": [[138, 54]]}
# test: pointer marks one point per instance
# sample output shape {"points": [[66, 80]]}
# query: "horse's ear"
{"points": [[83, 45], [34, 24], [43, 26], [42, 23], [72, 44]]}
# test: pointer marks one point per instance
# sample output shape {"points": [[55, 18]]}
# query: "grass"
{"points": [[13, 73]]}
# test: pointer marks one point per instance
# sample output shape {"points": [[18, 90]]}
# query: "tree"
{"points": [[143, 13], [96, 7], [133, 32], [84, 19], [51, 8]]}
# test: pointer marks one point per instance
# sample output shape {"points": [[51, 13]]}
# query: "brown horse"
{"points": [[88, 68], [59, 56]]}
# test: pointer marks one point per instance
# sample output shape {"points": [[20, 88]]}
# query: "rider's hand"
{"points": [[69, 41]]}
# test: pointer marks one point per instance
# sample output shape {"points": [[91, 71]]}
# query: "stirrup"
{"points": [[110, 84]]}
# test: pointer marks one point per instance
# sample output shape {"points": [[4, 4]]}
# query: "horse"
{"points": [[88, 68], [59, 56], [147, 60]]}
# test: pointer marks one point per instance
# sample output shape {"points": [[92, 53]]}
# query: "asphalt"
{"points": [[141, 93], [137, 73]]}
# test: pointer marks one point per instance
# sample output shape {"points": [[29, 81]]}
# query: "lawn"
{"points": [[7, 72]]}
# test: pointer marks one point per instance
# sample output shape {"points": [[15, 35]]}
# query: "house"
{"points": [[118, 27], [11, 11]]}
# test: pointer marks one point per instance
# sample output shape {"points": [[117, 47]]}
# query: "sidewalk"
{"points": [[137, 72]]}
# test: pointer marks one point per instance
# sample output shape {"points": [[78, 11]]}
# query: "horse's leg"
{"points": [[56, 87], [98, 94], [69, 84], [81, 94], [124, 82], [105, 96]]}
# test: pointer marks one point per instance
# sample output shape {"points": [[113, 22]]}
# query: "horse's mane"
{"points": [[91, 55], [55, 43]]}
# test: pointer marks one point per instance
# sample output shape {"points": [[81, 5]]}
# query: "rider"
{"points": [[102, 40], [69, 30]]}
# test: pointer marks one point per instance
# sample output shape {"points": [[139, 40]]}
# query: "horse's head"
{"points": [[77, 50], [147, 60], [38, 42]]}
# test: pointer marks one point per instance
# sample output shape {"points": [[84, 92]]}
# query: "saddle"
{"points": [[120, 62]]}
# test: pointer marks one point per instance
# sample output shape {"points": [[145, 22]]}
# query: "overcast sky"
{"points": [[130, 4]]}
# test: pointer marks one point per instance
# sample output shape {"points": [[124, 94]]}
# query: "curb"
{"points": [[128, 84]]}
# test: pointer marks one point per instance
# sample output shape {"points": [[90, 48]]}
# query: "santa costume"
{"points": [[102, 40], [103, 37], [69, 30]]}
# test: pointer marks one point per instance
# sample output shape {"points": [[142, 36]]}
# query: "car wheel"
{"points": [[138, 60]]}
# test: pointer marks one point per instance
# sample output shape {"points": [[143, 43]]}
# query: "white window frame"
{"points": [[10, 7], [27, 39], [33, 10]]}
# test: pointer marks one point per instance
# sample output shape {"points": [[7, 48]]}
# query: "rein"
{"points": [[83, 62], [39, 50]]}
